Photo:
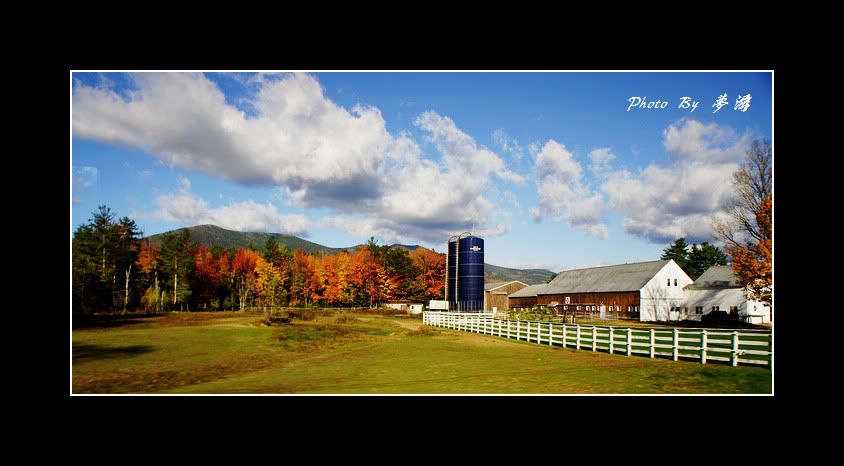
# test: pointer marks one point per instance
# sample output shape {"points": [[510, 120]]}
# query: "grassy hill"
{"points": [[210, 235]]}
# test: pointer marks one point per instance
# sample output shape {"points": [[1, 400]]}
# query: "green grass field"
{"points": [[364, 354]]}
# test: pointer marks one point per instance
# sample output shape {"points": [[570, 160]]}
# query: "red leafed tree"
{"points": [[243, 266], [207, 278], [364, 272], [305, 284], [431, 268]]}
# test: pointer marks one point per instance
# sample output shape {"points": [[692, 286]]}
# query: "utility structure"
{"points": [[464, 276]]}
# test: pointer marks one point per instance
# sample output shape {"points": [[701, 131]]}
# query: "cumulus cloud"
{"points": [[460, 151], [563, 193], [186, 208], [663, 202], [293, 137], [297, 138], [600, 160]]}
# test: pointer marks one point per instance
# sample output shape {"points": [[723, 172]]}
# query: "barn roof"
{"points": [[611, 278], [717, 276], [492, 286], [527, 292]]}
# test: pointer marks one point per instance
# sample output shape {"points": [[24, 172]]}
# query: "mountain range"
{"points": [[212, 234]]}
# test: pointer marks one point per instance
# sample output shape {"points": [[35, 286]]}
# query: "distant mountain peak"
{"points": [[409, 247]]}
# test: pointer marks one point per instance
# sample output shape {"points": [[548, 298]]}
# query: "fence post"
{"points": [[564, 335], [612, 340], [594, 339], [577, 337], [518, 330], [703, 347], [629, 341], [676, 342], [528, 333], [550, 334], [735, 349], [508, 328], [652, 343]]}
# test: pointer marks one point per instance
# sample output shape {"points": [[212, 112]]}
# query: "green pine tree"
{"points": [[678, 251]]}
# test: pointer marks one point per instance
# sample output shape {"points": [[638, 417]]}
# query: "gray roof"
{"points": [[717, 276], [527, 292], [611, 278]]}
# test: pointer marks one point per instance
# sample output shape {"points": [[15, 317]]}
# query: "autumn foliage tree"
{"points": [[746, 226]]}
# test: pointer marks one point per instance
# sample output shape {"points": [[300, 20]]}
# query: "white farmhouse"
{"points": [[718, 290]]}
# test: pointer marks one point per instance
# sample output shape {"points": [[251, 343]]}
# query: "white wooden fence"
{"points": [[700, 344]]}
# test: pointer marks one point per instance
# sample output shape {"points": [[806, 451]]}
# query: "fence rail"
{"points": [[702, 345]]}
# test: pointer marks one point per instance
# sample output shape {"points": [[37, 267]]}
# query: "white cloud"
{"points": [[563, 194], [298, 137], [293, 137], [460, 151], [188, 209], [601, 159], [507, 144], [678, 199]]}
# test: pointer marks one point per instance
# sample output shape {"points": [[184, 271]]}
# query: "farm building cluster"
{"points": [[646, 291]]}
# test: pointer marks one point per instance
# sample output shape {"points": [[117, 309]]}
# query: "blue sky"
{"points": [[552, 169]]}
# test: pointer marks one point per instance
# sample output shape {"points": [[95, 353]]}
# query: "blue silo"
{"points": [[470, 273], [465, 268], [451, 272]]}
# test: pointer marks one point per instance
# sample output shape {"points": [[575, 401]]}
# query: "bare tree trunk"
{"points": [[175, 282], [126, 293]]}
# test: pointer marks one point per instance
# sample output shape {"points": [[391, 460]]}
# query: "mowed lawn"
{"points": [[364, 354]]}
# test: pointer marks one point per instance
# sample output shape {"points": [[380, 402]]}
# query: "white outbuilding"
{"points": [[718, 290]]}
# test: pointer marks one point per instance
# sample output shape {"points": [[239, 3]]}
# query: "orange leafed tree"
{"points": [[243, 267], [746, 226], [753, 263], [149, 261], [267, 282]]}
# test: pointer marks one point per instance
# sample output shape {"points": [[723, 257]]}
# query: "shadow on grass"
{"points": [[86, 353], [88, 321]]}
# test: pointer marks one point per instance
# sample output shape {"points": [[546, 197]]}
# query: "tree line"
{"points": [[115, 269]]}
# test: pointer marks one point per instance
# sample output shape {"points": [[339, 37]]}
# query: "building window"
{"points": [[568, 300], [733, 309], [637, 308], [565, 308], [685, 311], [698, 309], [629, 308], [578, 308], [675, 282], [618, 309], [715, 308], [669, 282]]}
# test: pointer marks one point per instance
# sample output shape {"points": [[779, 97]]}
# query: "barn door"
{"points": [[603, 311]]}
